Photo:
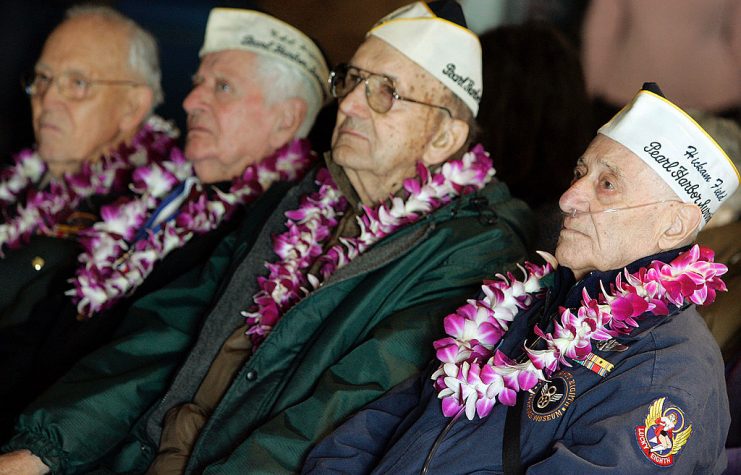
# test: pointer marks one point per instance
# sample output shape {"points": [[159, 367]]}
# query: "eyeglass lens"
{"points": [[70, 85], [379, 90]]}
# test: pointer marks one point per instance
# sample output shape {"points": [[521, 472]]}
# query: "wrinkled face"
{"points": [[70, 131], [609, 176], [386, 145], [228, 120]]}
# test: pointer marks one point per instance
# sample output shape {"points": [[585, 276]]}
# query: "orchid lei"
{"points": [[28, 169], [115, 263], [311, 225], [42, 209], [473, 375]]}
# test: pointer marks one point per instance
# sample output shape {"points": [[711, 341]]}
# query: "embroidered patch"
{"points": [[664, 434], [551, 398]]}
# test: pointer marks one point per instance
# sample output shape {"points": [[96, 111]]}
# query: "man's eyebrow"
{"points": [[74, 70], [581, 161], [615, 171], [393, 78], [389, 76]]}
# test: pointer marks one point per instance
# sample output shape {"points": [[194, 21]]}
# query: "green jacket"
{"points": [[367, 328]]}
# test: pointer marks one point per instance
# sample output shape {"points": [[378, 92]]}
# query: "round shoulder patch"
{"points": [[551, 398]]}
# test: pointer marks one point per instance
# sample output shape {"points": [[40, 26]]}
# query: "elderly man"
{"points": [[82, 76], [334, 303], [246, 110], [609, 370], [92, 92]]}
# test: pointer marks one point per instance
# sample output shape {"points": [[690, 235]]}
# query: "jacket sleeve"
{"points": [[92, 408], [358, 444], [615, 436]]}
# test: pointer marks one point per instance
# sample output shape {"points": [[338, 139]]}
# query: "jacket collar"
{"points": [[482, 204], [591, 282]]}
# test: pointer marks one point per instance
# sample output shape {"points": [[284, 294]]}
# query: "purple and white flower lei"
{"points": [[113, 266], [312, 224], [27, 171], [473, 376], [41, 210]]}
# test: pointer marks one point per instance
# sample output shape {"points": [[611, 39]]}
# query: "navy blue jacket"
{"points": [[579, 422]]}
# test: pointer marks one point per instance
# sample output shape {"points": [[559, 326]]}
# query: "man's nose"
{"points": [[355, 104], [195, 98], [575, 198]]}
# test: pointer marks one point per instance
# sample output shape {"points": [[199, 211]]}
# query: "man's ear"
{"points": [[684, 220], [137, 107], [449, 138], [289, 115]]}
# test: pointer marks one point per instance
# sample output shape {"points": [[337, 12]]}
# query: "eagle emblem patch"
{"points": [[664, 433]]}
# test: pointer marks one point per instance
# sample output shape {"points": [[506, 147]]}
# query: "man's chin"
{"points": [[195, 151], [340, 154], [577, 256], [564, 258], [58, 164], [51, 144], [344, 154], [567, 249], [208, 172], [51, 152]]}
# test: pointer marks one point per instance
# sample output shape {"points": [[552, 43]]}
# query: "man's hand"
{"points": [[22, 462]]}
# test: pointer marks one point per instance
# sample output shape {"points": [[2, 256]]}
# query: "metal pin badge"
{"points": [[37, 263]]}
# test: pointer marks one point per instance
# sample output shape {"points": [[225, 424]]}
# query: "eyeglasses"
{"points": [[380, 91], [71, 85]]}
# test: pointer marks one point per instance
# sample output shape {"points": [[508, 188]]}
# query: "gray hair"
{"points": [[143, 52], [281, 80]]}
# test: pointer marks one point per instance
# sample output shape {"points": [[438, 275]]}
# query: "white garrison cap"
{"points": [[680, 151], [435, 37], [249, 30]]}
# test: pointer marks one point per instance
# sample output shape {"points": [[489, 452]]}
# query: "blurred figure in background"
{"points": [[691, 47], [92, 92], [723, 233], [534, 117]]}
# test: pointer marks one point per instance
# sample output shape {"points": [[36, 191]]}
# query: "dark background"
{"points": [[337, 25], [178, 26]]}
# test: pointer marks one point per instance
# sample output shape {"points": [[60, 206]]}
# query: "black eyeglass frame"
{"points": [[334, 77]]}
